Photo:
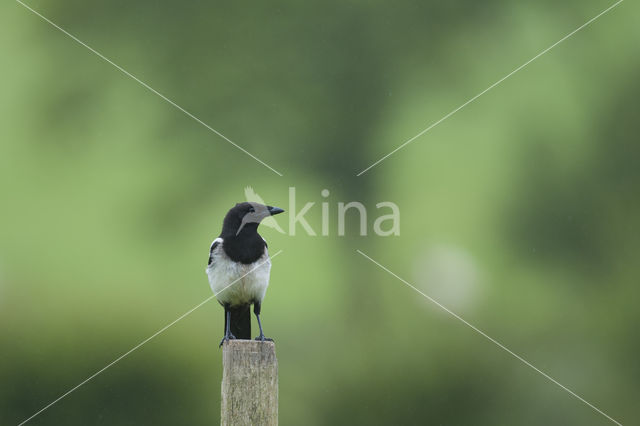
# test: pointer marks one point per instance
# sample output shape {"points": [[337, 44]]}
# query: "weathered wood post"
{"points": [[249, 383]]}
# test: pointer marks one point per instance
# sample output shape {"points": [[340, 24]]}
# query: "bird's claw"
{"points": [[261, 338], [226, 339]]}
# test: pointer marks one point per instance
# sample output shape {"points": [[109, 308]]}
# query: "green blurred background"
{"points": [[520, 213]]}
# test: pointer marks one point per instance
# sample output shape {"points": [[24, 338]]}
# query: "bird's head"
{"points": [[247, 216]]}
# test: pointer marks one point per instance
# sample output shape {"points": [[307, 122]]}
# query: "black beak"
{"points": [[274, 210]]}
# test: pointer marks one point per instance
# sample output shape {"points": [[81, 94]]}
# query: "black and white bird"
{"points": [[239, 256]]}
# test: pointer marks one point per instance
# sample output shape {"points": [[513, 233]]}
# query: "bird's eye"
{"points": [[252, 210]]}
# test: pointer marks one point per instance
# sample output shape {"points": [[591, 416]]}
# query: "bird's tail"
{"points": [[240, 321]]}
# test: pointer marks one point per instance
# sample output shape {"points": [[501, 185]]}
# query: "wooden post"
{"points": [[249, 383]]}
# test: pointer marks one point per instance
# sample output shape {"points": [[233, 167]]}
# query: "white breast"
{"points": [[236, 283]]}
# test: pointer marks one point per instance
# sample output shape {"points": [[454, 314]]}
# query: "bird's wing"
{"points": [[214, 245]]}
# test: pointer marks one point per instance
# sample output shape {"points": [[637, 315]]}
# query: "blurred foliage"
{"points": [[520, 213]]}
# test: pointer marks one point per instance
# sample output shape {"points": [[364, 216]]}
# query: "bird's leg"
{"points": [[227, 323], [256, 310]]}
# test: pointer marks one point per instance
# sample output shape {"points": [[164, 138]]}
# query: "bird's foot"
{"points": [[226, 338], [261, 338]]}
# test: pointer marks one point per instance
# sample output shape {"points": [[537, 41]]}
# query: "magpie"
{"points": [[240, 256]]}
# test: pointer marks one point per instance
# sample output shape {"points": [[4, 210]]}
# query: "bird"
{"points": [[253, 197], [238, 268]]}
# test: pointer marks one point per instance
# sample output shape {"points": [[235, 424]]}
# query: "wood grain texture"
{"points": [[249, 383]]}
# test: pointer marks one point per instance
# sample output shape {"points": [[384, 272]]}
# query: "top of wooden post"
{"points": [[249, 383]]}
